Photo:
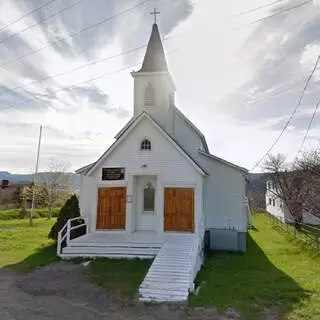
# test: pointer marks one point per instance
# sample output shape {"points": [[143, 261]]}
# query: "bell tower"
{"points": [[154, 88]]}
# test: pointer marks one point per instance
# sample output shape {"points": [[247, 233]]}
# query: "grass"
{"points": [[10, 214], [275, 273], [122, 277], [24, 247]]}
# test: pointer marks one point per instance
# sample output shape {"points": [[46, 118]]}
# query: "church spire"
{"points": [[154, 59]]}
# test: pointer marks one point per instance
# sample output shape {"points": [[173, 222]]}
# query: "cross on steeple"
{"points": [[154, 13]]}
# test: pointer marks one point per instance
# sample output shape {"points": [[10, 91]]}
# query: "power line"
{"points": [[277, 13], [83, 82], [125, 11], [93, 62], [76, 33], [75, 69], [258, 8], [40, 21], [27, 14], [291, 116], [308, 129]]}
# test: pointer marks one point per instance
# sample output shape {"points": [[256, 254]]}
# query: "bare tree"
{"points": [[293, 184], [58, 181], [309, 163]]}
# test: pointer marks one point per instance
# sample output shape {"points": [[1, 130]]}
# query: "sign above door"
{"points": [[113, 173]]}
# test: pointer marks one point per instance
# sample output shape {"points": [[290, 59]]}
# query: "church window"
{"points": [[148, 197], [149, 99], [146, 144]]}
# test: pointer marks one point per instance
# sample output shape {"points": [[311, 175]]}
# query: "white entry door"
{"points": [[146, 209]]}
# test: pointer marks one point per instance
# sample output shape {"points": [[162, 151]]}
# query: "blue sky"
{"points": [[238, 81]]}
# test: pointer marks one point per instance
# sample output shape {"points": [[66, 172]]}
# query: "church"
{"points": [[158, 185]]}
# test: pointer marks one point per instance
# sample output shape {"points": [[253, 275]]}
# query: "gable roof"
{"points": [[194, 128], [129, 127], [230, 164]]}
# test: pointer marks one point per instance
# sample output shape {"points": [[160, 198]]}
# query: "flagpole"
{"points": [[34, 177]]}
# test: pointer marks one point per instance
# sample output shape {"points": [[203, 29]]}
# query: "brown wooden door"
{"points": [[179, 209], [111, 208]]}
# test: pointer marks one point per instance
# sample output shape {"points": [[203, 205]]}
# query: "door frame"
{"points": [[125, 213], [192, 186]]}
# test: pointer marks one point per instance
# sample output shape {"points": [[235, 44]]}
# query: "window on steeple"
{"points": [[149, 98]]}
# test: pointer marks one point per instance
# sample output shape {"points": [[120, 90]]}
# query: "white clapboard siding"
{"points": [[169, 277]]}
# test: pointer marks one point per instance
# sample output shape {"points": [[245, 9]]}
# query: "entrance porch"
{"points": [[144, 204]]}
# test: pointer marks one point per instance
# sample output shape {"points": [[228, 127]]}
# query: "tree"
{"points": [[68, 211], [41, 195], [309, 163], [17, 196], [58, 182], [293, 184]]}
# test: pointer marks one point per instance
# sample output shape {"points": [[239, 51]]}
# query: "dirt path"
{"points": [[61, 291]]}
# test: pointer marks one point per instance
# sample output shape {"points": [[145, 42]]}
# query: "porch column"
{"points": [[130, 205], [160, 207]]}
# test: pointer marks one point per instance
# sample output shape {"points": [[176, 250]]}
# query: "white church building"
{"points": [[157, 191]]}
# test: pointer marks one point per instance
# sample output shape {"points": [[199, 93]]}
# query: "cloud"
{"points": [[282, 52]]}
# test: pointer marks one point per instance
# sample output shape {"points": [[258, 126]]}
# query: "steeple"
{"points": [[154, 59]]}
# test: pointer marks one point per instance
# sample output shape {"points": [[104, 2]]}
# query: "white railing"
{"points": [[64, 233], [195, 257]]}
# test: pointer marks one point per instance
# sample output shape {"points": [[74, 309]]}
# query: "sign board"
{"points": [[112, 173]]}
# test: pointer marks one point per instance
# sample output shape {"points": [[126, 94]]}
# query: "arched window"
{"points": [[149, 99], [146, 144]]}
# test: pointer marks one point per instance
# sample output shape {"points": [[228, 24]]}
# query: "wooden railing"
{"points": [[307, 234], [65, 232]]}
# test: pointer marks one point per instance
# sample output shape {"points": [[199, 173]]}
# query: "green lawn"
{"points": [[275, 273], [122, 277], [8, 214], [24, 247]]}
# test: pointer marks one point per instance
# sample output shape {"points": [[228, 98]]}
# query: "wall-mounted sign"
{"points": [[129, 198], [112, 173]]}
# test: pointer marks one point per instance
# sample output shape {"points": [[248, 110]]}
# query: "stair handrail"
{"points": [[66, 229], [194, 253]]}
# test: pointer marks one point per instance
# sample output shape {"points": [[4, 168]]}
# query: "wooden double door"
{"points": [[179, 209], [111, 212]]}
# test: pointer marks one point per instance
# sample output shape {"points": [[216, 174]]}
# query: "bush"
{"points": [[16, 213], [68, 211]]}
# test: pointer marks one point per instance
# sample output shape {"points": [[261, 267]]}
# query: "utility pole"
{"points": [[34, 178]]}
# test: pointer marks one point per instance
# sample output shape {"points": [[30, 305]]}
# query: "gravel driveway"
{"points": [[61, 291]]}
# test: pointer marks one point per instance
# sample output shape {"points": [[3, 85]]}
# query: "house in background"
{"points": [[277, 207], [157, 189], [8, 189], [256, 190]]}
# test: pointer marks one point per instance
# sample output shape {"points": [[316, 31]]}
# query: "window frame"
{"points": [[147, 187], [145, 144]]}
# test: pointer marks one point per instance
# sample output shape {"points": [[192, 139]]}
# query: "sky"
{"points": [[238, 74]]}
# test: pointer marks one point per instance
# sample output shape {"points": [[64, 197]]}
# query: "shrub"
{"points": [[18, 214], [68, 211]]}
